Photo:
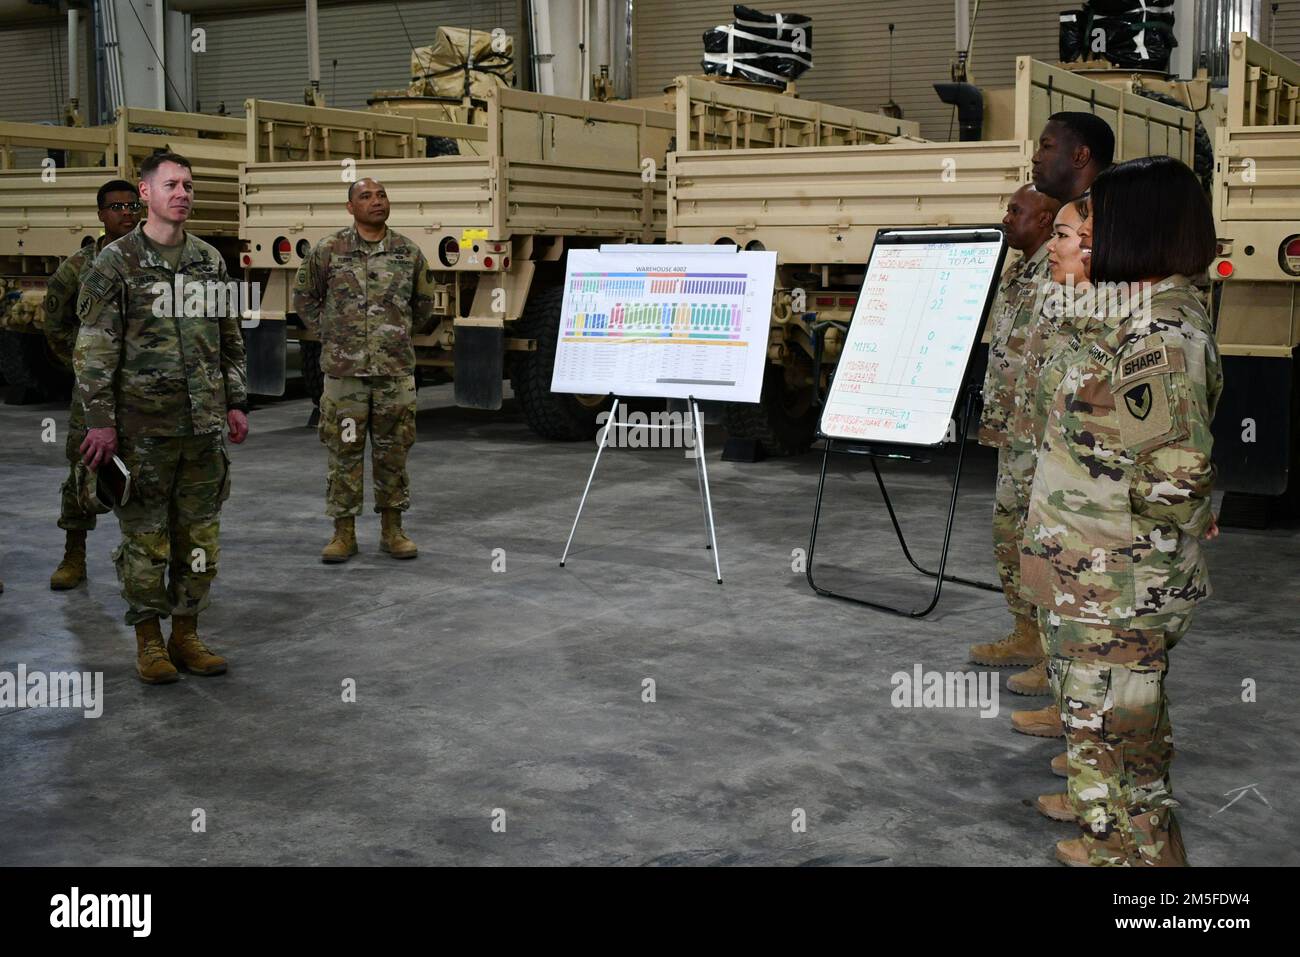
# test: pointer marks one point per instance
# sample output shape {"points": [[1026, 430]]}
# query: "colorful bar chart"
{"points": [[633, 325]]}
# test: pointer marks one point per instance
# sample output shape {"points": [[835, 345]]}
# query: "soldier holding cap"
{"points": [[158, 386]]}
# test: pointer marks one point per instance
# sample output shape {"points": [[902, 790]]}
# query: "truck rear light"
{"points": [[247, 259], [1224, 269], [281, 250], [487, 261], [1288, 256], [449, 251]]}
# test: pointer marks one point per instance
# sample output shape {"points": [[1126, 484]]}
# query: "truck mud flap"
{"points": [[1254, 425], [264, 344], [479, 356]]}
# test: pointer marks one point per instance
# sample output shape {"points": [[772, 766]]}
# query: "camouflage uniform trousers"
{"points": [[170, 523], [1118, 737], [383, 406], [73, 516], [1010, 507]]}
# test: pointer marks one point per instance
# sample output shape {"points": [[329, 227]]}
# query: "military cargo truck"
{"points": [[531, 178], [49, 176], [819, 206], [1257, 211]]}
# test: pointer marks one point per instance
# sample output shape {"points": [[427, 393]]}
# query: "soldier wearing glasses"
{"points": [[119, 211]]}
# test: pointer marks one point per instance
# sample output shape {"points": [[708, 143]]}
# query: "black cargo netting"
{"points": [[1127, 33], [771, 48]]}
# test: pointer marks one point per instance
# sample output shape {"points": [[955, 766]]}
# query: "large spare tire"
{"points": [[1203, 146], [552, 415]]}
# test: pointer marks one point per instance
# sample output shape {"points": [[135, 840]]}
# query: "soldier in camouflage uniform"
{"points": [[119, 211], [158, 386], [1028, 225], [1072, 149], [1120, 502], [364, 291]]}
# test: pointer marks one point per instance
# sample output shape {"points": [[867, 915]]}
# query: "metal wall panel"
{"points": [[263, 54], [34, 67]]}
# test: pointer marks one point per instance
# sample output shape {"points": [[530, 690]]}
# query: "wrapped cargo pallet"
{"points": [[462, 62], [760, 47], [1128, 33]]}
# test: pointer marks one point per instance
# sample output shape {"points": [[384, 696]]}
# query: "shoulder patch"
{"points": [[97, 284], [1156, 355]]}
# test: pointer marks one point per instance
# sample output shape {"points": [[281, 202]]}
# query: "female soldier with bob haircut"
{"points": [[1112, 553]]}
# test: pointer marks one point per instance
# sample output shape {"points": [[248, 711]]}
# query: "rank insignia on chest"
{"points": [[1138, 400]]}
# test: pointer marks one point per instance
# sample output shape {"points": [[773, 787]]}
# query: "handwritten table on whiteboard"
{"points": [[914, 327]]}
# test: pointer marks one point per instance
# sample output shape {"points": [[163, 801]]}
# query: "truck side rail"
{"points": [[713, 116]]}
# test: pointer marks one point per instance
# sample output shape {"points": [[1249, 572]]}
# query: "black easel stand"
{"points": [[939, 577]]}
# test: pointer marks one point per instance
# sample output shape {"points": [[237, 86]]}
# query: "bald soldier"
{"points": [[119, 211], [365, 291], [1028, 225]]}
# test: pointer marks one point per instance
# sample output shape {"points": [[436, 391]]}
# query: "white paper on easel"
{"points": [[664, 322], [916, 322]]}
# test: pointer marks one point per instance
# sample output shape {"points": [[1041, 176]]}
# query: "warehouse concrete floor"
{"points": [[481, 691]]}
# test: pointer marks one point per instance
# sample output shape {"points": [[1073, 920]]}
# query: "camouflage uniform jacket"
{"points": [[1121, 493], [365, 304], [151, 375], [1012, 314], [1052, 341], [61, 322]]}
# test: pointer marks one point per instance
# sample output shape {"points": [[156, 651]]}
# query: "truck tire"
{"points": [[784, 421], [1202, 147], [26, 364], [313, 379], [552, 415]]}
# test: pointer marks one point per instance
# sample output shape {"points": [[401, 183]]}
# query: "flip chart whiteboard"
{"points": [[913, 331], [663, 321]]}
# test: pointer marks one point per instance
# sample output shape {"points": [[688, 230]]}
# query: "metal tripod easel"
{"points": [[701, 475]]}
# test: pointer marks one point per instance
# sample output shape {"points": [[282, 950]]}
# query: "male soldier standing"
{"points": [[158, 386], [1028, 225], [119, 211], [363, 291], [1072, 150]]}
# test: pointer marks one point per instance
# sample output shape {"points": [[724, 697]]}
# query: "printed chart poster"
{"points": [[916, 321], [665, 323]]}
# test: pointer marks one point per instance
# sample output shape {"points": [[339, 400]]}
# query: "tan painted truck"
{"points": [[49, 177], [819, 206], [539, 176], [1257, 211]]}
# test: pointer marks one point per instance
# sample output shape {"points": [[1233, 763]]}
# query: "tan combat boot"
{"points": [[1056, 806], [151, 662], [392, 539], [1087, 851], [72, 570], [344, 543], [1021, 647], [189, 652], [1033, 681], [1043, 723], [1061, 765]]}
